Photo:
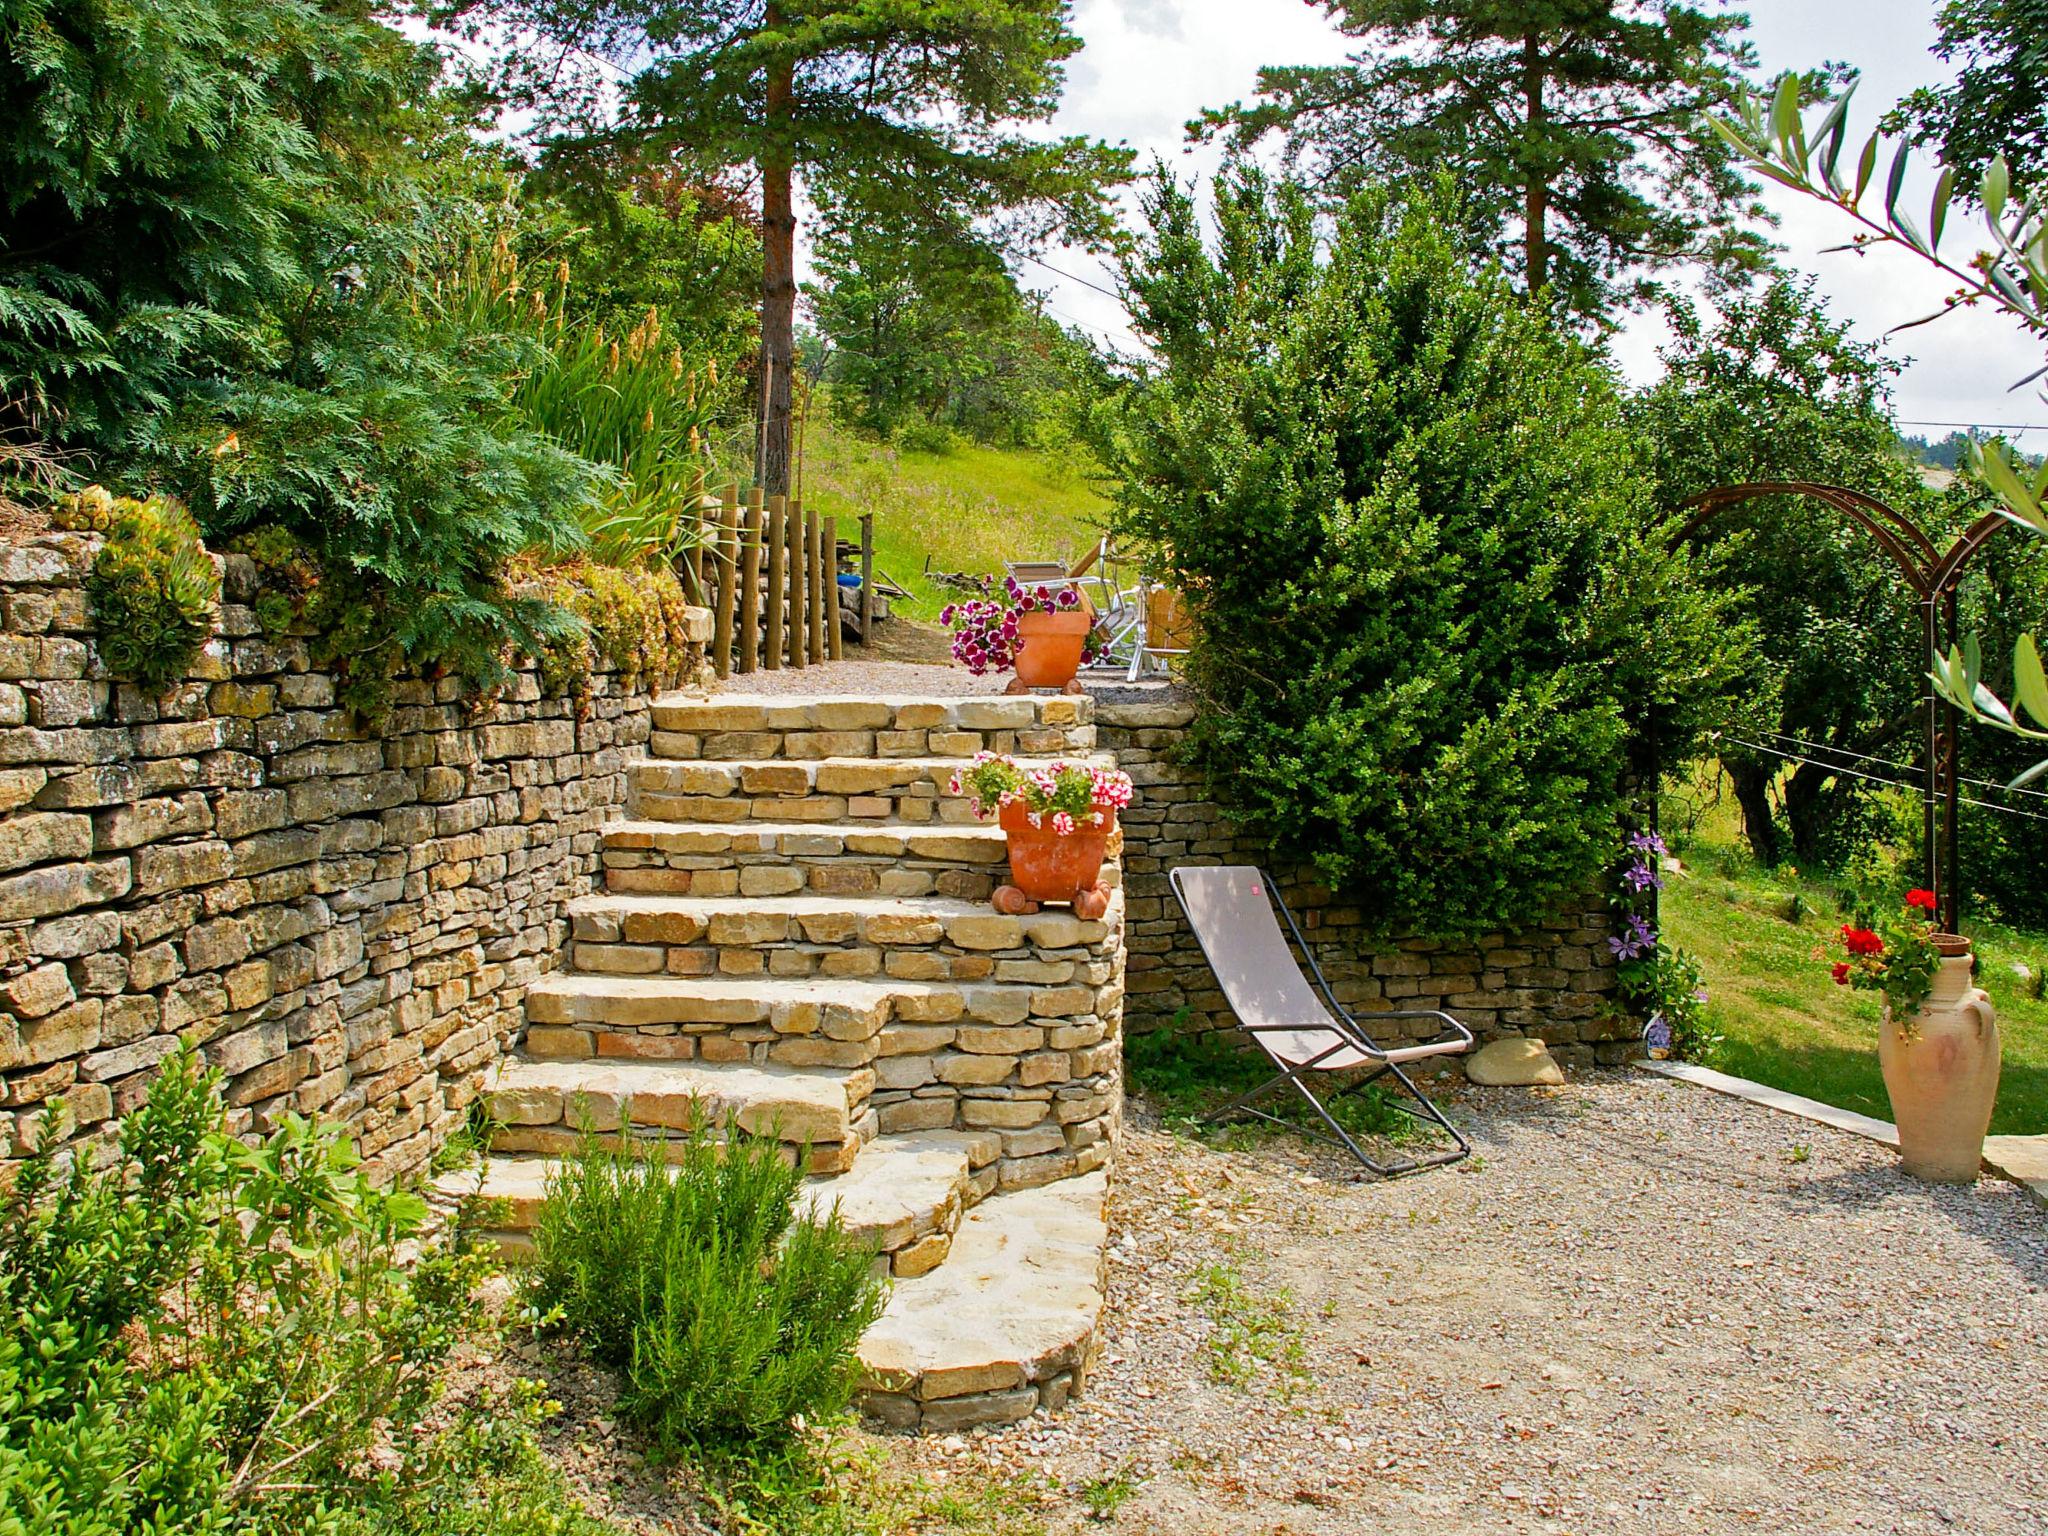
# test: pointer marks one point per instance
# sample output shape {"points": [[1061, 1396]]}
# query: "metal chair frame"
{"points": [[1352, 1036]]}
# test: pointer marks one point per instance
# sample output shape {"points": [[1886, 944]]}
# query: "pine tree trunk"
{"points": [[1536, 189], [778, 282]]}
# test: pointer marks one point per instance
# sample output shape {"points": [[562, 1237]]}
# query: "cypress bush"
{"points": [[1434, 602], [728, 1316]]}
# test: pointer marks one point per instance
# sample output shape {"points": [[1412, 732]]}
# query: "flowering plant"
{"points": [[1895, 956], [1068, 795], [985, 628], [1660, 981]]}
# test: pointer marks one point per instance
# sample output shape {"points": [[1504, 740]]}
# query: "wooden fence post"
{"points": [[799, 587], [814, 602], [867, 577], [726, 558], [750, 584], [778, 560], [835, 638]]}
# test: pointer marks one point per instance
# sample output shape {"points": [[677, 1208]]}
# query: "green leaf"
{"points": [[1865, 165], [1785, 122], [1937, 210], [1997, 184], [2029, 682]]}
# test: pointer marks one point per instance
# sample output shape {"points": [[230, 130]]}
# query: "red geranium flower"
{"points": [[1922, 899], [1861, 941], [1842, 972]]}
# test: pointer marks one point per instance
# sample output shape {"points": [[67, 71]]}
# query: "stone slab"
{"points": [[1016, 1302]]}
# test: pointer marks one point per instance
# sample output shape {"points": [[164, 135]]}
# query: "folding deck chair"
{"points": [[1303, 1028]]}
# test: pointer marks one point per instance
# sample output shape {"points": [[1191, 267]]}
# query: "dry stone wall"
{"points": [[343, 918], [1554, 982]]}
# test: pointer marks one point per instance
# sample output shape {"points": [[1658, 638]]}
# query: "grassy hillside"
{"points": [[967, 510], [1765, 939]]}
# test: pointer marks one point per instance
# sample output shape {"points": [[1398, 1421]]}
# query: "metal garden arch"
{"points": [[1934, 576]]}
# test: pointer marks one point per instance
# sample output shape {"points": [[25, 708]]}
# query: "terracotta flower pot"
{"points": [[1943, 1075], [1049, 647], [1053, 866]]}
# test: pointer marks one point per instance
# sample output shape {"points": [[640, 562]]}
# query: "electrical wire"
{"points": [[1913, 789], [1108, 293], [1892, 762]]}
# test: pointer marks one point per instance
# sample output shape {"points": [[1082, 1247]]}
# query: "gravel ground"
{"points": [[1644, 1308]]}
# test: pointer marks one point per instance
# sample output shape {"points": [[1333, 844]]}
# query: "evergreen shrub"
{"points": [[1434, 603]]}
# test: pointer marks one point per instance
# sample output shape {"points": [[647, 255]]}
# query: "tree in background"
{"points": [[687, 247], [1779, 390], [903, 113], [942, 339], [1998, 103], [1434, 601], [1568, 123]]}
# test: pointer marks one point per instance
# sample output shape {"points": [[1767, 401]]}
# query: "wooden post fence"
{"points": [[835, 641], [727, 563], [750, 584], [867, 577], [799, 587], [814, 599], [778, 564]]}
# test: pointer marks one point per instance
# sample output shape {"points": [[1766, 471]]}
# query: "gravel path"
{"points": [[1643, 1309]]}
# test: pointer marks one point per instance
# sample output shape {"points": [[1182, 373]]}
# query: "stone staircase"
{"points": [[794, 930]]}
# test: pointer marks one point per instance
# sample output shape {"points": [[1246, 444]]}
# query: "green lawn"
{"points": [[1789, 1025], [968, 510]]}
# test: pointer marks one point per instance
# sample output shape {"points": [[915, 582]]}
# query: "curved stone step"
{"points": [[765, 858], [912, 938], [1005, 1325], [543, 1106], [904, 1194], [853, 788], [573, 1015], [736, 725]]}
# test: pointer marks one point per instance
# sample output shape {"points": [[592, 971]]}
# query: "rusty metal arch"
{"points": [[1934, 576]]}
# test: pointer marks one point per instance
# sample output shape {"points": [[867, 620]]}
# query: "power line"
{"points": [[1892, 762], [1912, 789], [1108, 293], [1980, 426]]}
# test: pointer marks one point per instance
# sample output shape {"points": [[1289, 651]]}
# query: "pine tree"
{"points": [[902, 113], [1569, 124]]}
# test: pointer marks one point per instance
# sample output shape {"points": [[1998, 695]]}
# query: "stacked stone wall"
{"points": [[1554, 981], [343, 917]]}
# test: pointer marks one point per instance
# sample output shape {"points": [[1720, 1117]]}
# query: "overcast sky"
{"points": [[1150, 65]]}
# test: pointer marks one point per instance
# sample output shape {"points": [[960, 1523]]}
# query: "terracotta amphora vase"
{"points": [[1942, 1071], [1056, 866], [1049, 648]]}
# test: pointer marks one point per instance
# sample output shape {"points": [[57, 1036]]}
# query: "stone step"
{"points": [[904, 1194], [837, 789], [1006, 1325], [543, 1106], [913, 938], [802, 1022], [738, 725], [765, 858]]}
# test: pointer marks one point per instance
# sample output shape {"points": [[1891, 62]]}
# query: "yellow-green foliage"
{"points": [[633, 621], [154, 590]]}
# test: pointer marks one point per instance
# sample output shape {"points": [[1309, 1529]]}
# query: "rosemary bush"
{"points": [[728, 1316]]}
